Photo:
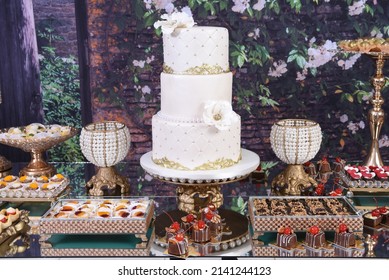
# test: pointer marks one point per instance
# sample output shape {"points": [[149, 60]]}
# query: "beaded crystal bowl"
{"points": [[294, 141], [105, 144]]}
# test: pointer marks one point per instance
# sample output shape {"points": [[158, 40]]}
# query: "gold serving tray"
{"points": [[24, 194], [49, 224], [271, 223]]}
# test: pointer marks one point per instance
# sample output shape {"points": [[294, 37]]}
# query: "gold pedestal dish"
{"points": [[5, 167], [36, 146]]}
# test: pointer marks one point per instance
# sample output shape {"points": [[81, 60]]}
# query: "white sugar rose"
{"points": [[169, 23], [218, 114]]}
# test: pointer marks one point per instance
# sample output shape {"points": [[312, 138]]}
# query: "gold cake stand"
{"points": [[197, 189], [377, 50], [37, 147]]}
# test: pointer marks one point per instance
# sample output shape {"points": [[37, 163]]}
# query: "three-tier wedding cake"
{"points": [[196, 128]]}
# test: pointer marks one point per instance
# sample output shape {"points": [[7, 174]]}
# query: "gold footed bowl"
{"points": [[36, 145]]}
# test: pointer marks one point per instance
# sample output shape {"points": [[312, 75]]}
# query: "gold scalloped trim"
{"points": [[365, 45], [204, 69], [217, 164]]}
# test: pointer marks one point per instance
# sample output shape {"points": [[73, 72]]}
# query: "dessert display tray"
{"points": [[18, 190], [98, 245], [269, 222], [377, 184], [98, 216]]}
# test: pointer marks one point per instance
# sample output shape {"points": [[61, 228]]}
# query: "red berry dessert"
{"points": [[178, 245], [187, 222], [315, 238], [286, 238], [343, 237], [385, 215], [173, 230], [201, 232], [373, 218], [339, 164]]}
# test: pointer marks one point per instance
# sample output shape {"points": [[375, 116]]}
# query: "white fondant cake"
{"points": [[196, 128], [188, 48]]}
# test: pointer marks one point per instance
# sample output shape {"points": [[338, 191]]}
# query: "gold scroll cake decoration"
{"points": [[204, 69], [217, 164], [365, 45]]}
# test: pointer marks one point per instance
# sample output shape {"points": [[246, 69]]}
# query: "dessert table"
{"points": [[165, 199]]}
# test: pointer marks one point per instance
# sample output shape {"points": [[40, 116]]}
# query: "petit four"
{"points": [[315, 238], [286, 238], [373, 218], [178, 245], [200, 232], [343, 237]]}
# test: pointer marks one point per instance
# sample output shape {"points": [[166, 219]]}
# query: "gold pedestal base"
{"points": [[38, 167], [292, 181], [5, 167], [107, 179], [192, 198]]}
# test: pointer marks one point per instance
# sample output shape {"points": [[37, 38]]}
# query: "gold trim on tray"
{"points": [[217, 164], [204, 69]]}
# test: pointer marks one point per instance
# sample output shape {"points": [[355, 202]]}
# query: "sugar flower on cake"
{"points": [[170, 23], [218, 114]]}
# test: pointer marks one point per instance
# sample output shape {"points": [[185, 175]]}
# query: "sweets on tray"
{"points": [[35, 131], [98, 216], [300, 213], [32, 187], [365, 45], [366, 176]]}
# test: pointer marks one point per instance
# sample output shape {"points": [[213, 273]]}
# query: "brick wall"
{"points": [[65, 22]]}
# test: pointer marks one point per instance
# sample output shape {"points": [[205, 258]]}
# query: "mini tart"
{"points": [[104, 212], [81, 214], [25, 179], [57, 178], [33, 186], [137, 206], [3, 185], [122, 214], [107, 202], [137, 214], [15, 186], [42, 179], [67, 208], [9, 178], [104, 205], [120, 207], [3, 219], [87, 208], [47, 186], [61, 215]]}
